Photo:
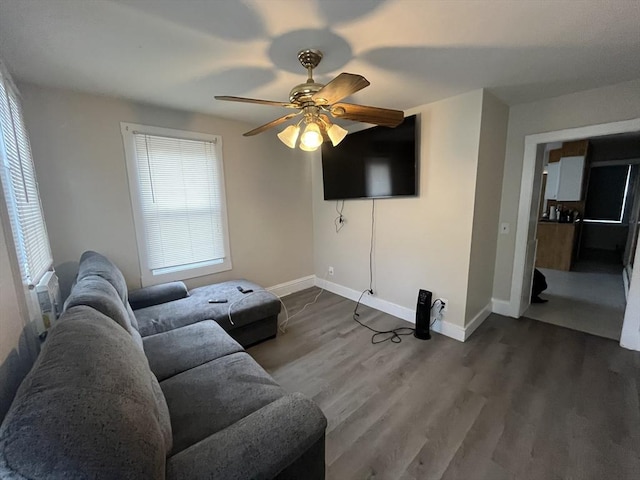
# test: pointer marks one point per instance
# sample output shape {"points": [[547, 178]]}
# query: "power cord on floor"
{"points": [[394, 335], [283, 325]]}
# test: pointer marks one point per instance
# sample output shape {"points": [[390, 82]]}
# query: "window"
{"points": [[607, 194], [20, 187], [177, 192]]}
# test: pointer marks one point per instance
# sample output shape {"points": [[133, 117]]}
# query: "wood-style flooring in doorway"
{"points": [[519, 400]]}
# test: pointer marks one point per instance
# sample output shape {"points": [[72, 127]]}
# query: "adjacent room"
{"points": [[315, 239], [587, 233]]}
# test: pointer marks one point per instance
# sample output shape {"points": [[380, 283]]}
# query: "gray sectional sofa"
{"points": [[102, 401]]}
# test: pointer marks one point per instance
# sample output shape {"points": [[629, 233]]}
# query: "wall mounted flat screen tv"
{"points": [[379, 162]]}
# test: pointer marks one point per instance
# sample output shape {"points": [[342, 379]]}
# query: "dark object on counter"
{"points": [[538, 286], [568, 216], [565, 216]]}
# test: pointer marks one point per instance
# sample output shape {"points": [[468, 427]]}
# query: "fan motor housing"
{"points": [[302, 93]]}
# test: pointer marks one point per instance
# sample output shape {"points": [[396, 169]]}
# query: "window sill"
{"points": [[149, 278]]}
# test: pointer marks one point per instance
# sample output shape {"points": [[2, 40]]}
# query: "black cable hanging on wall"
{"points": [[379, 336]]}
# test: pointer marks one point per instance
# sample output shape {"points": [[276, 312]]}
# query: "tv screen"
{"points": [[378, 162]]}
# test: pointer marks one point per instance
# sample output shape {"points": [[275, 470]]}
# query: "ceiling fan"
{"points": [[316, 102]]}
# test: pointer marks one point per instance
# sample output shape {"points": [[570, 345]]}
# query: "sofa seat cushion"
{"points": [[87, 409], [173, 352], [283, 440], [209, 398], [245, 308]]}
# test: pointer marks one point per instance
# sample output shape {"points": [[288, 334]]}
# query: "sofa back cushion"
{"points": [[96, 292], [93, 263], [89, 408], [157, 294]]}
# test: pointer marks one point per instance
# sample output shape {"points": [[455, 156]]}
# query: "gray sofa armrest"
{"points": [[259, 446], [156, 294], [184, 348]]}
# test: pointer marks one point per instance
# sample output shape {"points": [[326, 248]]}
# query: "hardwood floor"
{"points": [[519, 400]]}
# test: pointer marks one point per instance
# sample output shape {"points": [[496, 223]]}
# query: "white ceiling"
{"points": [[182, 53]]}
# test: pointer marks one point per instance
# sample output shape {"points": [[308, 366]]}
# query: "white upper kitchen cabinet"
{"points": [[564, 179]]}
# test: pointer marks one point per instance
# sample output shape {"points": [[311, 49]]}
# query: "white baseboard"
{"points": [[368, 300], [449, 330], [477, 320], [445, 328], [287, 288], [501, 307]]}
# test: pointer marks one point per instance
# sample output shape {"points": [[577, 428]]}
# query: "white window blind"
{"points": [[177, 189], [21, 188]]}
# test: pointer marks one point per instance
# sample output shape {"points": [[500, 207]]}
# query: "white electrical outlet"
{"points": [[446, 304], [331, 271]]}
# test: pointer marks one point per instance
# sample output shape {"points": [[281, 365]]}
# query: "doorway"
{"points": [[526, 241], [584, 233]]}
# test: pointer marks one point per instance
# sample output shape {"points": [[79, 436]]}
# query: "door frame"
{"points": [[524, 257]]}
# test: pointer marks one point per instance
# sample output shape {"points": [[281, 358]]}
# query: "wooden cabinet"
{"points": [[578, 148], [555, 155], [555, 245]]}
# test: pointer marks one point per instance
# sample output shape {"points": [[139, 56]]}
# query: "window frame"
{"points": [[12, 208], [623, 207], [147, 276]]}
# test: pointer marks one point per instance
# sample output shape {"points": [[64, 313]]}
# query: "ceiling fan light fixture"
{"points": [[336, 134], [316, 100], [311, 138], [289, 135], [305, 148]]}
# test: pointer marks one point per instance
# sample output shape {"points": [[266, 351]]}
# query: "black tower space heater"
{"points": [[423, 315]]}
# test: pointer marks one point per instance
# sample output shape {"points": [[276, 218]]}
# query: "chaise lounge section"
{"points": [[248, 317]]}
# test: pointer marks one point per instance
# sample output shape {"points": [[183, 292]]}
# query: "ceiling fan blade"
{"points": [[254, 100], [271, 124], [340, 87], [361, 113]]}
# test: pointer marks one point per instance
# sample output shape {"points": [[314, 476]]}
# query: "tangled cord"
{"points": [[395, 335], [283, 325]]}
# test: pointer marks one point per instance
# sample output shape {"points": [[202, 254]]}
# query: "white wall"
{"points": [[79, 158], [421, 242], [493, 134], [19, 344], [13, 318], [591, 107]]}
